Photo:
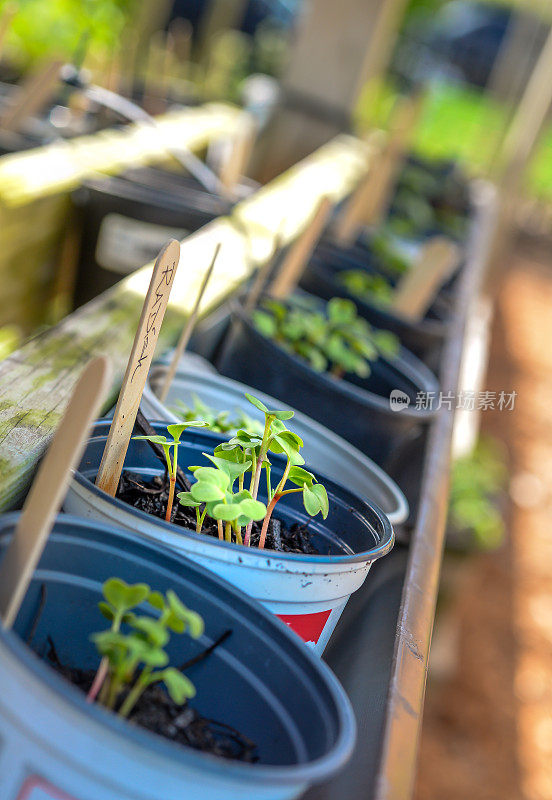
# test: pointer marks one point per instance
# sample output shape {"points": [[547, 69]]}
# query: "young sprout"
{"points": [[218, 421], [333, 338], [219, 490], [248, 452], [214, 486], [176, 432], [136, 659], [365, 286]]}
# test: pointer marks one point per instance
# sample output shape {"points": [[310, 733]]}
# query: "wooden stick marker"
{"points": [[418, 287], [48, 490], [263, 275], [299, 253], [357, 208], [235, 165], [188, 329], [138, 366]]}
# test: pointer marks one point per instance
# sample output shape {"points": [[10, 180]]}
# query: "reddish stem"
{"points": [[97, 683], [170, 501], [266, 520]]}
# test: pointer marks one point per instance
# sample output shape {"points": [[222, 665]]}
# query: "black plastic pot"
{"points": [[261, 680], [359, 409], [126, 220], [424, 338]]}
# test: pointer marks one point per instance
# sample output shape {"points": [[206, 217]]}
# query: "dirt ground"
{"points": [[487, 731]]}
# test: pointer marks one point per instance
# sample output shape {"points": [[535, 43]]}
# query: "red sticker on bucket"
{"points": [[36, 788], [308, 626]]}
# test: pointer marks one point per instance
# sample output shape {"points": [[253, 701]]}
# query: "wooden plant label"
{"points": [[418, 287], [299, 253], [48, 490], [235, 165], [188, 329], [357, 208], [138, 366]]}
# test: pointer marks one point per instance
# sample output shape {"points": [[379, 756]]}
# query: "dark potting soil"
{"points": [[151, 497], [157, 712]]}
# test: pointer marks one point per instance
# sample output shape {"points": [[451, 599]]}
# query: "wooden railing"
{"points": [[35, 381]]}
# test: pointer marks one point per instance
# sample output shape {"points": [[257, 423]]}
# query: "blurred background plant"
{"points": [[478, 482], [65, 28]]}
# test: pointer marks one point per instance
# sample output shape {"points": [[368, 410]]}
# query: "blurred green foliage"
{"points": [[477, 481], [48, 28]]}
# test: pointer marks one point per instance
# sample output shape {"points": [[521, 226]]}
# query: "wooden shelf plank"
{"points": [[62, 166]]}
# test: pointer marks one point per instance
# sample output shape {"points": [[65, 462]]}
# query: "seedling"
{"points": [[218, 422], [389, 255], [331, 338], [137, 658], [214, 487], [248, 452], [366, 286], [176, 432]]}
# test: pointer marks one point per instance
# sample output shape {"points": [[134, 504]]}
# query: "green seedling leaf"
{"points": [[257, 403], [108, 612], [156, 600], [187, 499], [315, 500], [320, 491], [123, 596], [205, 492], [253, 509], [178, 685], [227, 512], [265, 324], [212, 475], [158, 439], [154, 657], [153, 630], [300, 476], [177, 429], [282, 414], [192, 619], [231, 467], [288, 443]]}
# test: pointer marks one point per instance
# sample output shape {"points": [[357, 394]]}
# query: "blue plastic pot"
{"points": [[261, 680], [308, 592]]}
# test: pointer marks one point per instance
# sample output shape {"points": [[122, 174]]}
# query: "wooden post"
{"points": [[219, 15], [31, 96], [387, 167], [338, 47], [299, 253], [8, 13], [353, 215], [518, 147], [235, 165]]}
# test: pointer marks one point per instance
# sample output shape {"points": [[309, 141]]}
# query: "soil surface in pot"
{"points": [[151, 497], [157, 712]]}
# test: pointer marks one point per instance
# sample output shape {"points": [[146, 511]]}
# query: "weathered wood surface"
{"points": [[36, 381], [62, 166], [336, 49]]}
